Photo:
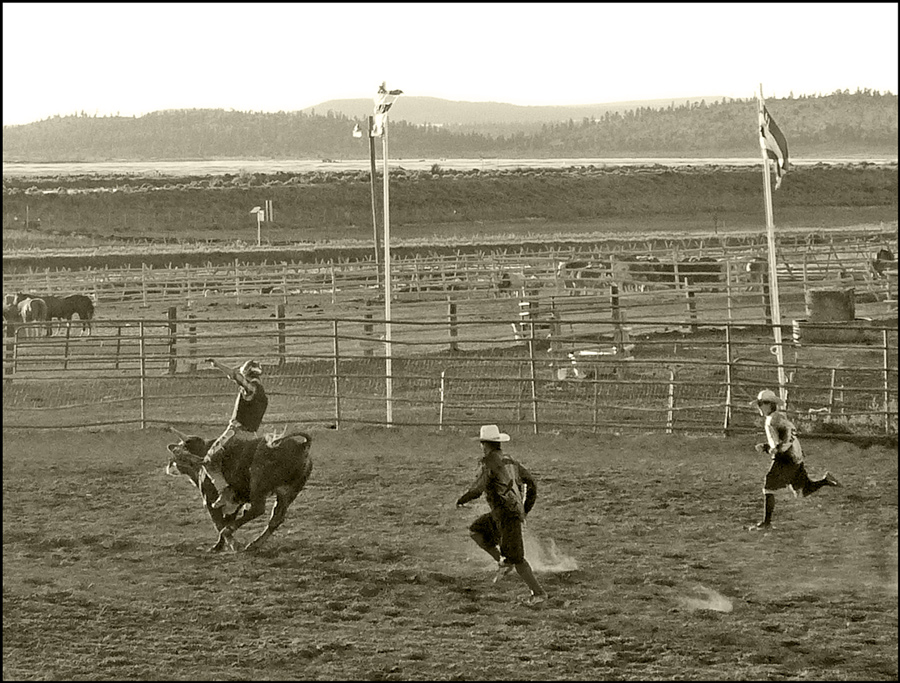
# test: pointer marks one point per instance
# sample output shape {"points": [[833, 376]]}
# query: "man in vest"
{"points": [[249, 409], [499, 532], [788, 468]]}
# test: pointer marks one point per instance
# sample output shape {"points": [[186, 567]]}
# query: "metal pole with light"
{"points": [[259, 213], [383, 102], [773, 269], [357, 133]]}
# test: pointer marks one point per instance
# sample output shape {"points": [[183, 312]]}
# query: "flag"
{"points": [[772, 142], [383, 101]]}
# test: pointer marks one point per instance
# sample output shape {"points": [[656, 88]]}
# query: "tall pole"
{"points": [[374, 209], [389, 389], [259, 228], [773, 269]]}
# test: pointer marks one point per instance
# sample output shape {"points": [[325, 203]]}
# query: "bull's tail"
{"points": [[274, 440]]}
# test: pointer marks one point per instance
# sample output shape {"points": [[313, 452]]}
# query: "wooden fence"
{"points": [[450, 372]]}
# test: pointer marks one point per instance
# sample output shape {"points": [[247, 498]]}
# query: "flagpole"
{"points": [[374, 209], [387, 281], [773, 269]]}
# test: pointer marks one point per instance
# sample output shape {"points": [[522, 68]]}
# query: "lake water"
{"points": [[234, 166]]}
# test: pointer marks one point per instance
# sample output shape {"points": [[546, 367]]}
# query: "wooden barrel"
{"points": [[830, 305]]}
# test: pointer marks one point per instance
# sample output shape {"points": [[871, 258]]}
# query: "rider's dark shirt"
{"points": [[249, 409]]}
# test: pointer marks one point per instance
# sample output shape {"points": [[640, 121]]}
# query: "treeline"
{"points": [[842, 123]]}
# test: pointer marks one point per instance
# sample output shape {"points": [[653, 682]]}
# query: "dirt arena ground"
{"points": [[641, 541]]}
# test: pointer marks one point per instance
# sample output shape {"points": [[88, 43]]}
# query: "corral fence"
{"points": [[730, 275], [453, 371]]}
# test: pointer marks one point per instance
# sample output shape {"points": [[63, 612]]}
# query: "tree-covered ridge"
{"points": [[842, 123]]}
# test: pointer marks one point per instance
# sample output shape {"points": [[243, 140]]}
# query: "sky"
{"points": [[135, 58]]}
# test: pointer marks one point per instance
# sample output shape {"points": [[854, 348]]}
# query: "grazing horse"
{"points": [[256, 469], [34, 311], [54, 304], [63, 308], [82, 306]]}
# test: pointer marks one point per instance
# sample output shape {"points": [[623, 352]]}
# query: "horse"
{"points": [[81, 305], [63, 308], [256, 468], [54, 304], [34, 310]]}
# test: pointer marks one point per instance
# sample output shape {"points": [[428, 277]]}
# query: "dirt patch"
{"points": [[374, 577]]}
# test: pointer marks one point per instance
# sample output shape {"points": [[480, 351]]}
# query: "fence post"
{"points": [[885, 369], [726, 428], [614, 301], [333, 284], [368, 332], [237, 282], [451, 323], [831, 392], [728, 301], [9, 360], [172, 316], [66, 347], [187, 276], [670, 417], [280, 325], [441, 404], [192, 342], [118, 344], [143, 374], [337, 392], [532, 377], [691, 304], [144, 285]]}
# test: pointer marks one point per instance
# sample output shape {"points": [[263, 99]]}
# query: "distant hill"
{"points": [[434, 110], [863, 123]]}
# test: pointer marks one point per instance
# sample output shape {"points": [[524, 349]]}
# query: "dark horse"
{"points": [[80, 305], [63, 308]]}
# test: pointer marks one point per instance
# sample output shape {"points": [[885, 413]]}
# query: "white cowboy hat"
{"points": [[492, 433], [766, 396], [251, 368]]}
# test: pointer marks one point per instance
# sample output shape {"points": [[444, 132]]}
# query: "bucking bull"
{"points": [[256, 469]]}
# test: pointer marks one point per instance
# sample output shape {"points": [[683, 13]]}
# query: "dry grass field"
{"points": [[641, 541]]}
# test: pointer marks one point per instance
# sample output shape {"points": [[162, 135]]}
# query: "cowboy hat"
{"points": [[492, 433], [251, 368], [766, 396]]}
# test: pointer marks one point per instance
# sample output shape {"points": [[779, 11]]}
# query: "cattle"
{"points": [[636, 271], [884, 262], [702, 271], [32, 311], [584, 275], [256, 469]]}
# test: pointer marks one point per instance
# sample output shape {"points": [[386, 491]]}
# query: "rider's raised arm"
{"points": [[232, 373]]}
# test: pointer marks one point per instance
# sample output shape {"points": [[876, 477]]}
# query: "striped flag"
{"points": [[773, 144], [383, 101]]}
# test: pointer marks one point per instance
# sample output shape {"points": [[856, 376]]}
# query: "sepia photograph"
{"points": [[450, 341]]}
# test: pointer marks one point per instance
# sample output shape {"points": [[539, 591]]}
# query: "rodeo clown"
{"points": [[249, 409], [788, 468]]}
